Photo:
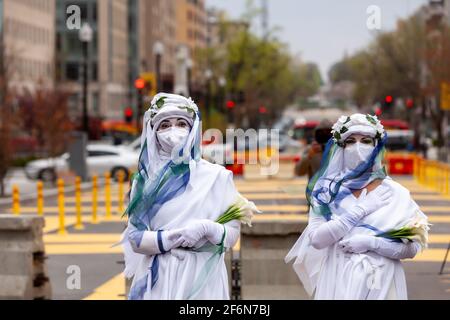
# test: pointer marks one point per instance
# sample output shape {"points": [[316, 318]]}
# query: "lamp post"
{"points": [[158, 51], [85, 35], [208, 76], [222, 82], [189, 65]]}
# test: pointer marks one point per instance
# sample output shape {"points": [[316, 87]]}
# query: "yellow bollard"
{"points": [[94, 199], [441, 176], [447, 169], [79, 223], [120, 195], [108, 195], [423, 172], [62, 228], [16, 200], [40, 198]]}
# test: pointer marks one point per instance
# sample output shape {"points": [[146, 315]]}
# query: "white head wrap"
{"points": [[164, 106], [335, 169]]}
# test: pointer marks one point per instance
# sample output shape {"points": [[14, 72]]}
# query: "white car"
{"points": [[100, 159]]}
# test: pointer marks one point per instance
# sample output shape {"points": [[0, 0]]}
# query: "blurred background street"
{"points": [[76, 77]]}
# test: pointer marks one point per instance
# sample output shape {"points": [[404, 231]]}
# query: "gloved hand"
{"points": [[146, 242], [358, 243], [382, 246], [332, 231], [371, 202], [198, 229]]}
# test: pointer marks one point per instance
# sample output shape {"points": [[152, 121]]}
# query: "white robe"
{"points": [[330, 273], [210, 192]]}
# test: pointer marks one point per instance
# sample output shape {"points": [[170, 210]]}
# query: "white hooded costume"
{"points": [[161, 267], [344, 253]]}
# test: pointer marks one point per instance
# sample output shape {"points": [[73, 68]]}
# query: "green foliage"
{"points": [[261, 68]]}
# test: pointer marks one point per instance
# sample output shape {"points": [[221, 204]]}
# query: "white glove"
{"points": [[358, 243], [198, 229], [148, 244], [328, 233], [370, 202], [382, 246]]}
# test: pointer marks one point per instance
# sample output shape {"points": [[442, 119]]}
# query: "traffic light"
{"points": [[409, 103], [230, 104], [128, 114], [140, 84], [262, 109], [378, 111], [388, 101]]}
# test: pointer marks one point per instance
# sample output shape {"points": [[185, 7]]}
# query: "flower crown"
{"points": [[345, 122], [157, 105]]}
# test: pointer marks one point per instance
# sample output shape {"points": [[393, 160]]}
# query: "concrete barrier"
{"points": [[264, 274], [23, 272]]}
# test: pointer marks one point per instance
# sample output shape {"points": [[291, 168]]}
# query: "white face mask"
{"points": [[172, 137], [356, 153]]}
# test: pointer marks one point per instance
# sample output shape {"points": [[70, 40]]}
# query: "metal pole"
{"points": [[445, 260], [189, 79], [158, 73], [40, 198], [140, 102], [61, 209], [85, 88]]}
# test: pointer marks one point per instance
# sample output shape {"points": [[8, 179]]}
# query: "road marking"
{"points": [[113, 289], [82, 248]]}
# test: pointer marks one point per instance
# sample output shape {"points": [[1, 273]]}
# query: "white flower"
{"points": [[356, 119], [247, 210], [419, 227]]}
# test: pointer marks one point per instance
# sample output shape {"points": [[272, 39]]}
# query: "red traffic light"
{"points": [[389, 99], [128, 113], [262, 109], [230, 104], [378, 111], [139, 84], [409, 103]]}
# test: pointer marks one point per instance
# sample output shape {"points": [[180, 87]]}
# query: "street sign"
{"points": [[445, 96]]}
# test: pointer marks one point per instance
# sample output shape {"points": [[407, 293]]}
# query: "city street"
{"points": [[101, 265], [166, 95]]}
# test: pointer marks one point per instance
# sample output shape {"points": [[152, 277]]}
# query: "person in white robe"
{"points": [[173, 247], [361, 222]]}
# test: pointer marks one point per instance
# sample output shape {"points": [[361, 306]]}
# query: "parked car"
{"points": [[100, 159], [400, 140]]}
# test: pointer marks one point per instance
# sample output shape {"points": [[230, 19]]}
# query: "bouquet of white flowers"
{"points": [[415, 230], [242, 210]]}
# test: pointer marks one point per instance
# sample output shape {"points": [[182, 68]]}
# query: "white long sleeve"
{"points": [[326, 233], [146, 242], [395, 250]]}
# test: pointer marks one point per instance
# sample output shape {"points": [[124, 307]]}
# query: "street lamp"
{"points": [[85, 35], [158, 51], [208, 76], [189, 66], [222, 82]]}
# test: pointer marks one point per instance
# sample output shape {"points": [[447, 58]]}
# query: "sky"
{"points": [[323, 31]]}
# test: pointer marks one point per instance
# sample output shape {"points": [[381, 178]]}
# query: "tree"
{"points": [[8, 118], [51, 124]]}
